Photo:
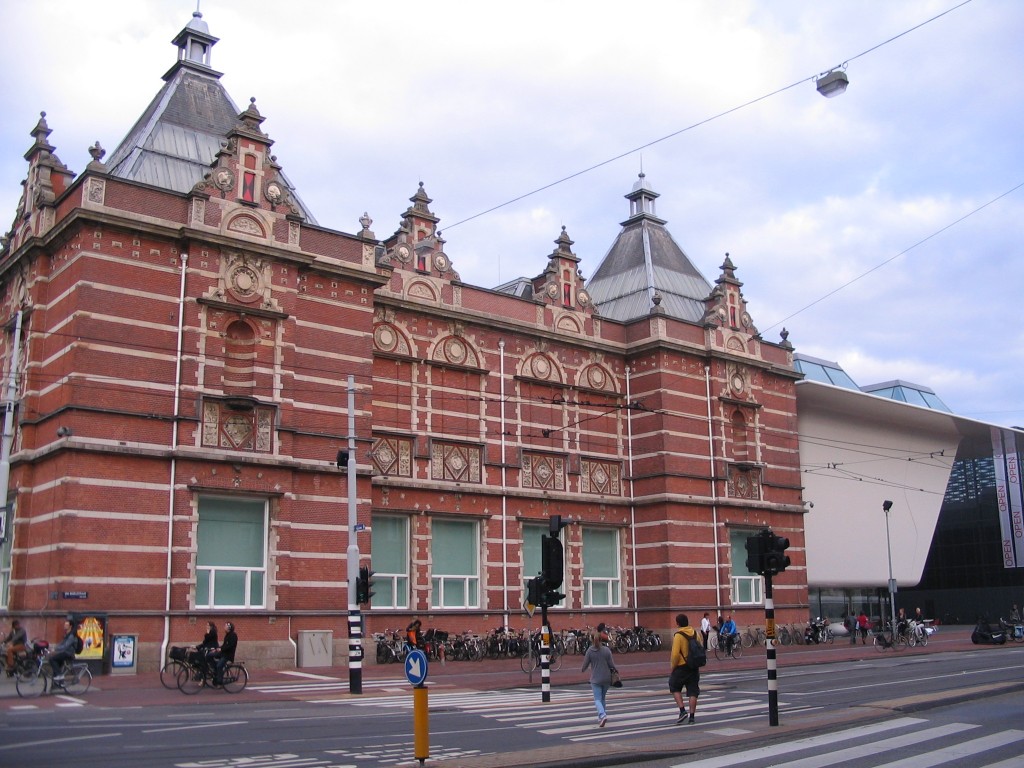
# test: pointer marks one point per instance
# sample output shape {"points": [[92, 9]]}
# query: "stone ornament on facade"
{"points": [[600, 477], [274, 192], [223, 179], [237, 431], [543, 472], [459, 463], [392, 456], [387, 338], [246, 225], [96, 191], [743, 482]]}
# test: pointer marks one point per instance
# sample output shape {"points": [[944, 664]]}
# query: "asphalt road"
{"points": [[316, 727]]}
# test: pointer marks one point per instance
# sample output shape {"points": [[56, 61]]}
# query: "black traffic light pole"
{"points": [[552, 574], [769, 644], [766, 556]]}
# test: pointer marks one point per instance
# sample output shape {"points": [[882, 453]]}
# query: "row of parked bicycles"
{"points": [[34, 675], [501, 643]]}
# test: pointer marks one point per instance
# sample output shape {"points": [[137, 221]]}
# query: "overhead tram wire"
{"points": [[698, 124]]}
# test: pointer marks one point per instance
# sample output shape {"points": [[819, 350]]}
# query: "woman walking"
{"points": [[599, 661]]}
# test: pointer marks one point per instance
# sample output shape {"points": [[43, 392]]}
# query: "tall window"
{"points": [[231, 563], [747, 587], [455, 582], [6, 550], [390, 562], [601, 582]]}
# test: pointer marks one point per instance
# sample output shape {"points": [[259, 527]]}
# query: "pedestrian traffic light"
{"points": [[551, 566], [364, 584], [535, 590], [756, 552], [775, 558]]}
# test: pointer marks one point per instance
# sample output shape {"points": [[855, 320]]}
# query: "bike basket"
{"points": [[177, 653]]}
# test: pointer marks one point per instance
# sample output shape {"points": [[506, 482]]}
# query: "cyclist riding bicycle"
{"points": [[729, 632], [65, 649]]}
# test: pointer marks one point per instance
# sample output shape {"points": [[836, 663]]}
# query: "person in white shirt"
{"points": [[705, 628]]}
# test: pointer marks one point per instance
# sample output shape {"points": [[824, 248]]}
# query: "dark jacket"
{"points": [[68, 644], [209, 641], [227, 648]]}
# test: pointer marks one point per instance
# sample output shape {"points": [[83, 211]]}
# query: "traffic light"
{"points": [[756, 552], [535, 590], [364, 583], [775, 558], [552, 567]]}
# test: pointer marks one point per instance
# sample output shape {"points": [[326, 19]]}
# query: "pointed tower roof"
{"points": [[645, 269], [175, 141]]}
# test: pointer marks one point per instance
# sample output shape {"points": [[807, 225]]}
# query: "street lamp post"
{"points": [[886, 506]]}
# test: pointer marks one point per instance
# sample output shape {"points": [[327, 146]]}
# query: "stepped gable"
{"points": [[417, 245], [645, 270], [182, 132], [561, 283]]}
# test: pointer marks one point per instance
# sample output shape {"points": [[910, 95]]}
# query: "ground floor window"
{"points": [[455, 577], [602, 584], [6, 552], [390, 562], [747, 587], [231, 561]]}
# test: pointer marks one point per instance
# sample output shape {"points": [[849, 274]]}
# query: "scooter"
{"points": [[983, 634]]}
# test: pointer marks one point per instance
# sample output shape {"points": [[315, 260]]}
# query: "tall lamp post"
{"points": [[886, 506]]}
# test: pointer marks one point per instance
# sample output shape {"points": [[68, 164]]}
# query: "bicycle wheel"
{"points": [[191, 680], [169, 674], [529, 662], [748, 640], [31, 684], [719, 652], [713, 640], [830, 636], [554, 660], [78, 680], [737, 650], [880, 643], [236, 677], [922, 639]]}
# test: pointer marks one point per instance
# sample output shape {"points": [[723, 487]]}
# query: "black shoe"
{"points": [[681, 720], [690, 721]]}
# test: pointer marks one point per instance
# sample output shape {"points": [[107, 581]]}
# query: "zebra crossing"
{"points": [[570, 713], [920, 744], [314, 685]]}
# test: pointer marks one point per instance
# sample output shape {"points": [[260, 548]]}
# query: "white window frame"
{"points": [[611, 584], [747, 588], [250, 601], [466, 584], [399, 580]]}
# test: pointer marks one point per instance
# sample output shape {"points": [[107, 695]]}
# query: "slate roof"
{"points": [[644, 262], [174, 142]]}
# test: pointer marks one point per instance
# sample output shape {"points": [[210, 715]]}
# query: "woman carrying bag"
{"points": [[602, 674]]}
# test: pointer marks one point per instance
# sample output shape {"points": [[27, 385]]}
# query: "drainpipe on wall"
{"points": [[174, 461], [10, 393], [714, 491], [504, 494], [632, 497]]}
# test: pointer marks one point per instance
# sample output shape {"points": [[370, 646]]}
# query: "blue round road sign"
{"points": [[416, 667]]}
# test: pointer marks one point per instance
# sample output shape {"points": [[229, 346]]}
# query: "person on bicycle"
{"points": [[16, 641], [414, 635], [209, 646], [729, 632], [226, 654], [65, 650]]}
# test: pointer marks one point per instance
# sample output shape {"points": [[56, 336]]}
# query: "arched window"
{"points": [[740, 437], [239, 358]]}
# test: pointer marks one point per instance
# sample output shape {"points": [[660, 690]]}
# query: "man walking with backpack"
{"points": [[688, 656]]}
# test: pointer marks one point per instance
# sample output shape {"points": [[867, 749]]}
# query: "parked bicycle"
{"points": [[729, 648], [195, 676], [753, 636], [73, 678], [887, 638], [531, 661]]}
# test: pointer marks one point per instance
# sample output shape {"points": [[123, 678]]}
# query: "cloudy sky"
{"points": [[882, 228]]}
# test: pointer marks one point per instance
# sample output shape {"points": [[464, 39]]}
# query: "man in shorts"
{"points": [[683, 677]]}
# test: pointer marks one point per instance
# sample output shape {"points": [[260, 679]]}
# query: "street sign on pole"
{"points": [[416, 667]]}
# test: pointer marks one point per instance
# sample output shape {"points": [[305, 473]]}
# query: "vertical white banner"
{"points": [[1013, 491], [1002, 500]]}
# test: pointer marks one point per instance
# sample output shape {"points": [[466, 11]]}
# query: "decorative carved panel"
{"points": [[250, 429], [544, 472], [743, 482], [602, 477], [392, 456], [459, 463]]}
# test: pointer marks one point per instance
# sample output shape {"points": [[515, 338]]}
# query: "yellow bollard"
{"points": [[421, 723]]}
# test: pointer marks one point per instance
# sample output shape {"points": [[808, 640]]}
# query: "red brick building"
{"points": [[179, 337]]}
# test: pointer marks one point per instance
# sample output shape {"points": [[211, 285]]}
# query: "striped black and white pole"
{"points": [[545, 659], [355, 651], [769, 644]]}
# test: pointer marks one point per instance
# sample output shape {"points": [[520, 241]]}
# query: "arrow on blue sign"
{"points": [[416, 667]]}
